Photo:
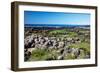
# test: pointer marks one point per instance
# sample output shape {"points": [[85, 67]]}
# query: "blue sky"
{"points": [[37, 17]]}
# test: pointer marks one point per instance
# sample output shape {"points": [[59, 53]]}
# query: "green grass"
{"points": [[84, 45], [72, 34], [58, 31], [39, 54], [69, 57], [63, 31]]}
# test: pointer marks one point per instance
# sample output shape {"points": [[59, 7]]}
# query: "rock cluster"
{"points": [[33, 42]]}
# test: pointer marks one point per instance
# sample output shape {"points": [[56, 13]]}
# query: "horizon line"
{"points": [[66, 24]]}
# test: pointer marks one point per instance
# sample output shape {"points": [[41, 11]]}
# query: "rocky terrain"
{"points": [[56, 44]]}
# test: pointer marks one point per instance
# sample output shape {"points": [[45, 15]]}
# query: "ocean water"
{"points": [[55, 25]]}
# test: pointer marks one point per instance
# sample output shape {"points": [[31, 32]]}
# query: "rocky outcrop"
{"points": [[33, 42]]}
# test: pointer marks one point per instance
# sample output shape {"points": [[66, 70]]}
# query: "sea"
{"points": [[50, 26]]}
